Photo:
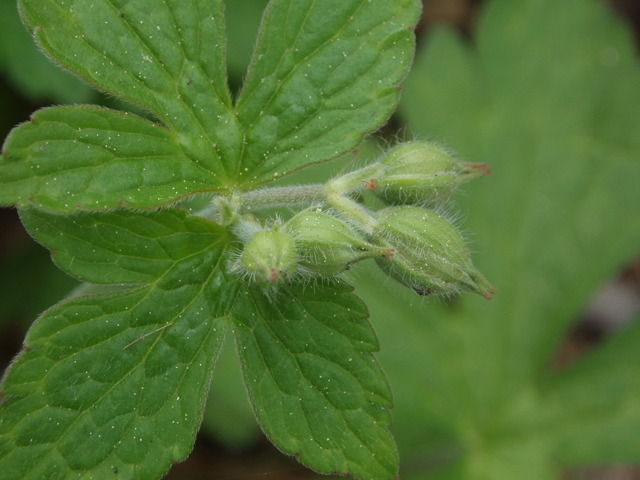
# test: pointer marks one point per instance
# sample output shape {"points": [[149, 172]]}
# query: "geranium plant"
{"points": [[114, 382]]}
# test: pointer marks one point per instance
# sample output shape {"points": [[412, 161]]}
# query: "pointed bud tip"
{"points": [[487, 292]]}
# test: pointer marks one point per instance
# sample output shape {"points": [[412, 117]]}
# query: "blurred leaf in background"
{"points": [[29, 70], [227, 414], [547, 94], [242, 18]]}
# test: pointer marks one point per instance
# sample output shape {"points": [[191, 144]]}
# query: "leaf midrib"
{"points": [[284, 80], [266, 323], [151, 286], [169, 77]]}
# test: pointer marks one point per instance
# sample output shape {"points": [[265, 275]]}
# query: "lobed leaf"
{"points": [[115, 383], [166, 56], [545, 95], [121, 247], [565, 162], [315, 386], [88, 158], [322, 75]]}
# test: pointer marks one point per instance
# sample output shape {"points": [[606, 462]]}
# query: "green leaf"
{"points": [[115, 383], [167, 57], [121, 247], [547, 98], [591, 409], [74, 158], [317, 390], [322, 75]]}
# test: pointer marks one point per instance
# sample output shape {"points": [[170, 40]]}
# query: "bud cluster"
{"points": [[410, 243]]}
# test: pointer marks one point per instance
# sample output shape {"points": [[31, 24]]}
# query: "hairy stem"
{"points": [[352, 211], [355, 181], [282, 197]]}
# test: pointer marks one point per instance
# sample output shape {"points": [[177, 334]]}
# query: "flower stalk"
{"points": [[410, 243]]}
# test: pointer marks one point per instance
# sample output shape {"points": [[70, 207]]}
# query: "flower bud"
{"points": [[269, 257], [327, 245], [419, 172], [431, 256]]}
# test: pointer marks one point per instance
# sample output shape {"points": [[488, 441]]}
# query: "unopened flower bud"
{"points": [[421, 172], [431, 256], [327, 245], [269, 258]]}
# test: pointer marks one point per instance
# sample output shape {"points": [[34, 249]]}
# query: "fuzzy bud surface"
{"points": [[422, 172], [327, 245], [269, 258], [431, 256]]}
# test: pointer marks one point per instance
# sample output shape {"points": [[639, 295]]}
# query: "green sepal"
{"points": [[327, 245], [268, 259], [422, 173], [432, 257]]}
